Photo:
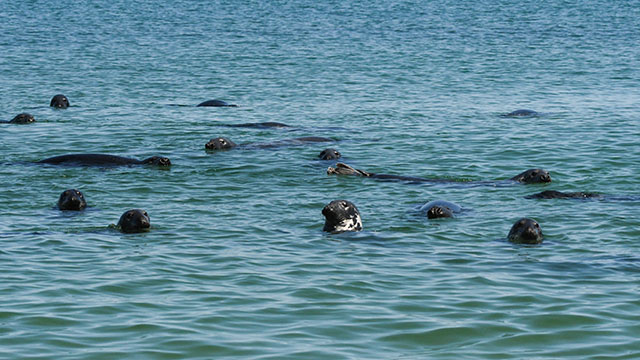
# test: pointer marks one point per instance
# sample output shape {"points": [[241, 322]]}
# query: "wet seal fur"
{"points": [[59, 101], [260, 125], [103, 160], [23, 118], [223, 143], [134, 221], [531, 176], [72, 199], [522, 113], [216, 103], [552, 194], [329, 154], [525, 231], [341, 216], [440, 209]]}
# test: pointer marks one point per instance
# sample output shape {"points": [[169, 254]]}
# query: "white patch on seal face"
{"points": [[354, 223]]}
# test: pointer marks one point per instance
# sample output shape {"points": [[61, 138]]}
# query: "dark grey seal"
{"points": [[71, 199], [440, 209], [222, 143], [134, 221], [103, 160], [525, 231], [217, 103], [552, 194], [59, 101], [23, 118], [260, 125], [329, 154], [521, 113], [341, 216], [531, 176]]}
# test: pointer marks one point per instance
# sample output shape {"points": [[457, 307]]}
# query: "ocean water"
{"points": [[236, 264]]}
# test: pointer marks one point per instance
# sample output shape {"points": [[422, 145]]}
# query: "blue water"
{"points": [[236, 264]]}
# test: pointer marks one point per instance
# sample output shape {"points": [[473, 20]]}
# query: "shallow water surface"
{"points": [[236, 264]]}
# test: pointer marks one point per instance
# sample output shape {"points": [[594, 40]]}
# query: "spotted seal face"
{"points": [[133, 221], [329, 154], [219, 143], [72, 199], [157, 161], [341, 216], [525, 231], [533, 176], [59, 101], [23, 118]]}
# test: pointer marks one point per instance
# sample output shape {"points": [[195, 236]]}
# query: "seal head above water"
{"points": [[23, 118], [220, 143], [134, 221], [341, 216], [525, 231], [440, 209], [72, 199], [329, 154], [59, 101], [533, 176]]}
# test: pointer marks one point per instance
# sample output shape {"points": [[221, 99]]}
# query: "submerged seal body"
{"points": [[521, 113], [552, 194], [341, 216], [525, 231], [103, 160], [72, 199], [329, 154], [23, 118], [59, 101], [530, 176], [440, 209], [216, 103], [260, 125], [222, 143], [134, 220]]}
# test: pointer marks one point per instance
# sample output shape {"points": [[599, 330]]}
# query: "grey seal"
{"points": [[216, 103], [552, 194], [440, 209], [103, 160], [23, 118], [134, 221], [530, 176], [341, 216], [71, 199], [260, 125], [525, 231], [223, 143], [329, 154], [521, 113], [59, 101]]}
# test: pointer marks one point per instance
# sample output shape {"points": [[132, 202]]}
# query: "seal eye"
{"points": [[145, 214]]}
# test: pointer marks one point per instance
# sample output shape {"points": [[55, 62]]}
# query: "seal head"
{"points": [[217, 103], [134, 221], [341, 216], [533, 176], [157, 161], [219, 143], [59, 101], [72, 199], [329, 154], [23, 118], [440, 209], [525, 231]]}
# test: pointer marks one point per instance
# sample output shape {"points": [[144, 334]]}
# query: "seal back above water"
{"points": [[216, 103], [103, 160]]}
